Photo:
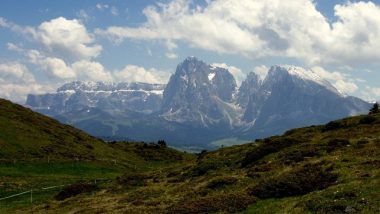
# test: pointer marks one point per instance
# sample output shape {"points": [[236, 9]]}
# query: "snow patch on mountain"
{"points": [[303, 74], [211, 76]]}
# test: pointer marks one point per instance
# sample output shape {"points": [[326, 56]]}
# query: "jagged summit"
{"points": [[299, 73], [196, 92]]}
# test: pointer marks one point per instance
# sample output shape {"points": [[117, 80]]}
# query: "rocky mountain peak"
{"points": [[196, 90], [297, 75]]}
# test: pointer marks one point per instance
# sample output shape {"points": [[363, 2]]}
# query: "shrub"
{"points": [[206, 166], [367, 119], [375, 109], [301, 181], [267, 147], [231, 202], [298, 155], [74, 189], [333, 125], [133, 179], [221, 182], [336, 143], [255, 172], [201, 155], [161, 143]]}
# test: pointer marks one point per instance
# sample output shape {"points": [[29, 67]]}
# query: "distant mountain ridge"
{"points": [[200, 104], [74, 96]]}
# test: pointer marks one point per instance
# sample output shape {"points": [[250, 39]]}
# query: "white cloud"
{"points": [[133, 73], [54, 67], [101, 6], [61, 37], [80, 70], [105, 7], [83, 15], [268, 28], [15, 71], [341, 82], [14, 47], [3, 22], [346, 87], [262, 71], [356, 34], [171, 55], [114, 11], [89, 70], [236, 72], [16, 82], [371, 94], [68, 37], [376, 92]]}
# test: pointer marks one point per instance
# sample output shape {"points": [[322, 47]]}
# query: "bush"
{"points": [[134, 179], [206, 166], [367, 119], [333, 125], [256, 171], [74, 189], [267, 147], [336, 143], [231, 203], [296, 156], [308, 178], [221, 182], [362, 142], [375, 109], [161, 143]]}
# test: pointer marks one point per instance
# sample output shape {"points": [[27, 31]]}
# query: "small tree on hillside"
{"points": [[161, 143], [375, 109]]}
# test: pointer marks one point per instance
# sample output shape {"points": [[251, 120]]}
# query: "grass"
{"points": [[228, 142], [333, 168]]}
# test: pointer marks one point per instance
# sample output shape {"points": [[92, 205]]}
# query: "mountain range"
{"points": [[201, 105]]}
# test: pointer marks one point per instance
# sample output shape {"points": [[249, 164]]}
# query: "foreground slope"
{"points": [[27, 134], [39, 154], [334, 168]]}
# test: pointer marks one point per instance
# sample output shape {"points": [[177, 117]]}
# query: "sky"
{"points": [[44, 44]]}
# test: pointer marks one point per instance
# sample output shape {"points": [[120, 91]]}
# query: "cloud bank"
{"points": [[256, 29]]}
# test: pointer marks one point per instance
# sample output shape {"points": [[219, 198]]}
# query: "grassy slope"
{"points": [[26, 134], [320, 169], [37, 151]]}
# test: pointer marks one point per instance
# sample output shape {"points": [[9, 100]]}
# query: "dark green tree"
{"points": [[375, 109], [161, 143], [201, 155]]}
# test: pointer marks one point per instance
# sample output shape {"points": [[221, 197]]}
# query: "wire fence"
{"points": [[4, 201], [28, 196], [67, 160]]}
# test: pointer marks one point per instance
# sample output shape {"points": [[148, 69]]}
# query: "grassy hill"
{"points": [[27, 134], [334, 168], [37, 152]]}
